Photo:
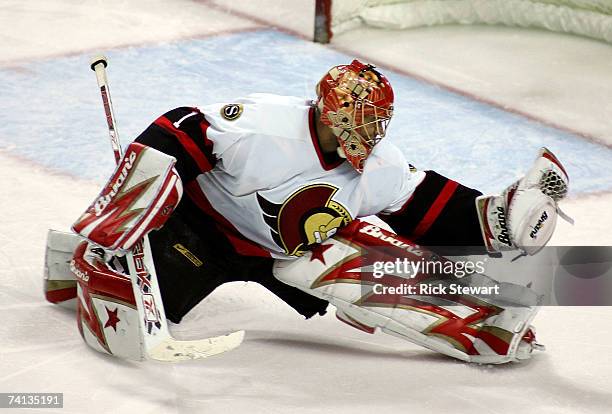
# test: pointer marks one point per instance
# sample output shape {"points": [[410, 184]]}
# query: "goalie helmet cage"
{"points": [[590, 18]]}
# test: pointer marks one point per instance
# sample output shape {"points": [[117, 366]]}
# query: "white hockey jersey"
{"points": [[271, 184]]}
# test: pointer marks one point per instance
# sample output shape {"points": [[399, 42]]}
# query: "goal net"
{"points": [[591, 18]]}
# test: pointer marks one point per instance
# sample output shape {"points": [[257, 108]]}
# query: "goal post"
{"points": [[590, 18]]}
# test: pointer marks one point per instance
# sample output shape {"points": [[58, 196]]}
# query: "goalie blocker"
{"points": [[139, 197]]}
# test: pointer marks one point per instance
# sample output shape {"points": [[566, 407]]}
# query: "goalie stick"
{"points": [[156, 341]]}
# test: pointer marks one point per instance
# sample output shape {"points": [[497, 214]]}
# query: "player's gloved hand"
{"points": [[524, 216], [139, 197]]}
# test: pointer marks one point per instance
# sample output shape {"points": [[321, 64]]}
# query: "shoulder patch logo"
{"points": [[231, 112]]}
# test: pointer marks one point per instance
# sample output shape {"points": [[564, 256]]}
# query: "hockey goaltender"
{"points": [[280, 191]]}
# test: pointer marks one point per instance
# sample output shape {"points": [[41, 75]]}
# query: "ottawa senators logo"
{"points": [[231, 112], [307, 217]]}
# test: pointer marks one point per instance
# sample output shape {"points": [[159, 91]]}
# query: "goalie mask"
{"points": [[356, 102]]}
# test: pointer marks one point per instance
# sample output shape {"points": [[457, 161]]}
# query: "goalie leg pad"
{"points": [[139, 197], [341, 271], [60, 285], [107, 316]]}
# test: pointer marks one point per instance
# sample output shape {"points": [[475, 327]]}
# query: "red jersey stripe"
{"points": [[186, 141], [436, 208]]}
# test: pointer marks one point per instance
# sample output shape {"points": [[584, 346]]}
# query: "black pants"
{"points": [[192, 258]]}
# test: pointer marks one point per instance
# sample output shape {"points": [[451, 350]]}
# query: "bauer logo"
{"points": [[231, 112]]}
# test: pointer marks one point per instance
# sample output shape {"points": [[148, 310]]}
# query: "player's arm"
{"points": [[439, 212], [147, 184], [442, 212], [183, 134]]}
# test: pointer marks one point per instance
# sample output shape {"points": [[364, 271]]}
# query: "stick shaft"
{"points": [[99, 66], [156, 342]]}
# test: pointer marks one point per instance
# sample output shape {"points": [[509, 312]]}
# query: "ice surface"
{"points": [[435, 128], [54, 153]]}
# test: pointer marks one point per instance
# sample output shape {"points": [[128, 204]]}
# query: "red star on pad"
{"points": [[317, 252], [113, 319]]}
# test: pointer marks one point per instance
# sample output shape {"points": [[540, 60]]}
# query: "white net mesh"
{"points": [[592, 18]]}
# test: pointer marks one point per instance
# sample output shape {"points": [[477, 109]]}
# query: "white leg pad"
{"points": [[476, 331]]}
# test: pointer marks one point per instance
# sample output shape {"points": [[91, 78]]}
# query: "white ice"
{"points": [[287, 364]]}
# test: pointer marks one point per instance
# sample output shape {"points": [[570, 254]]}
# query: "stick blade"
{"points": [[172, 350]]}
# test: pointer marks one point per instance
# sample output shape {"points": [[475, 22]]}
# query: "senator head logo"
{"points": [[307, 217]]}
